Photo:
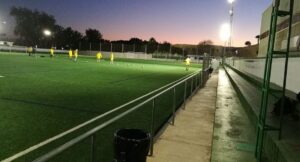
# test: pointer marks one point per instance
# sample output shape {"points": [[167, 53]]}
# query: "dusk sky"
{"points": [[175, 21]]}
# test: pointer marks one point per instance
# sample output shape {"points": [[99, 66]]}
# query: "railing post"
{"points": [[152, 127], [174, 105], [198, 76], [93, 148], [200, 79], [196, 81], [193, 83], [184, 95], [191, 86]]}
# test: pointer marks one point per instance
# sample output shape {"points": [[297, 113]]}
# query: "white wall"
{"points": [[24, 49], [256, 67], [118, 54], [281, 36]]}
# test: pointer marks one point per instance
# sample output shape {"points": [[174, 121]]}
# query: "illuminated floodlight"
{"points": [[231, 12], [47, 32], [225, 32], [230, 1]]}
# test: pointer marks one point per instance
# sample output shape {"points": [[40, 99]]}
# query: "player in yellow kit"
{"points": [[187, 63], [29, 50], [111, 58], [75, 55], [70, 54], [51, 52], [98, 56]]}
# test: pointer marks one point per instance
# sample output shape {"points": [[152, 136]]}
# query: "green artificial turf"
{"points": [[42, 97]]}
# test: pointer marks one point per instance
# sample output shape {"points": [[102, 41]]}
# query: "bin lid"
{"points": [[132, 134]]}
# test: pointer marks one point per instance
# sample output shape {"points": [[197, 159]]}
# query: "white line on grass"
{"points": [[32, 148], [1, 76]]}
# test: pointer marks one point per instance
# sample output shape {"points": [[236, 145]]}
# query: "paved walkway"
{"points": [[234, 135], [190, 139]]}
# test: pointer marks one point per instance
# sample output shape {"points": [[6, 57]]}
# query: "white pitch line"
{"points": [[1, 76], [32, 148]]}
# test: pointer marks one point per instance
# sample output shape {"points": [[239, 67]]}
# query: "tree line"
{"points": [[30, 25]]}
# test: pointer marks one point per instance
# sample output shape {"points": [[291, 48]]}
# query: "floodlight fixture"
{"points": [[231, 12], [225, 32], [230, 1], [47, 32]]}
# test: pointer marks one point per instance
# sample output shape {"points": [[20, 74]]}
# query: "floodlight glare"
{"points": [[225, 32], [230, 1], [47, 32]]}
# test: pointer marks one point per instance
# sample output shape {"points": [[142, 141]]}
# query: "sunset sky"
{"points": [[175, 21]]}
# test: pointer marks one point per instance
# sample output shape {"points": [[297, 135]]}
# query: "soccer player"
{"points": [[51, 52], [70, 54], [98, 56], [111, 58], [29, 50], [187, 63], [75, 55]]}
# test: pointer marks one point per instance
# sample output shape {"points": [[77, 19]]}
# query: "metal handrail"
{"points": [[91, 133]]}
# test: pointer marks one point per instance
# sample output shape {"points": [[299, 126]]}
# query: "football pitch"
{"points": [[41, 97]]}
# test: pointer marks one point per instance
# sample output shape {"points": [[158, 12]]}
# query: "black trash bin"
{"points": [[131, 145]]}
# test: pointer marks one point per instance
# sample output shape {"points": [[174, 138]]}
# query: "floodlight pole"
{"points": [[224, 52], [231, 12], [111, 47], [170, 49]]}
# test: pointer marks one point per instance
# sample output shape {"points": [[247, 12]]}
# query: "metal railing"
{"points": [[196, 80]]}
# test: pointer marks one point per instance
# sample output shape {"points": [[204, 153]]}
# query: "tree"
{"points": [[152, 41], [136, 41], [165, 47], [248, 43], [137, 44], [204, 46], [93, 35], [206, 42], [68, 38], [152, 45], [30, 25]]}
